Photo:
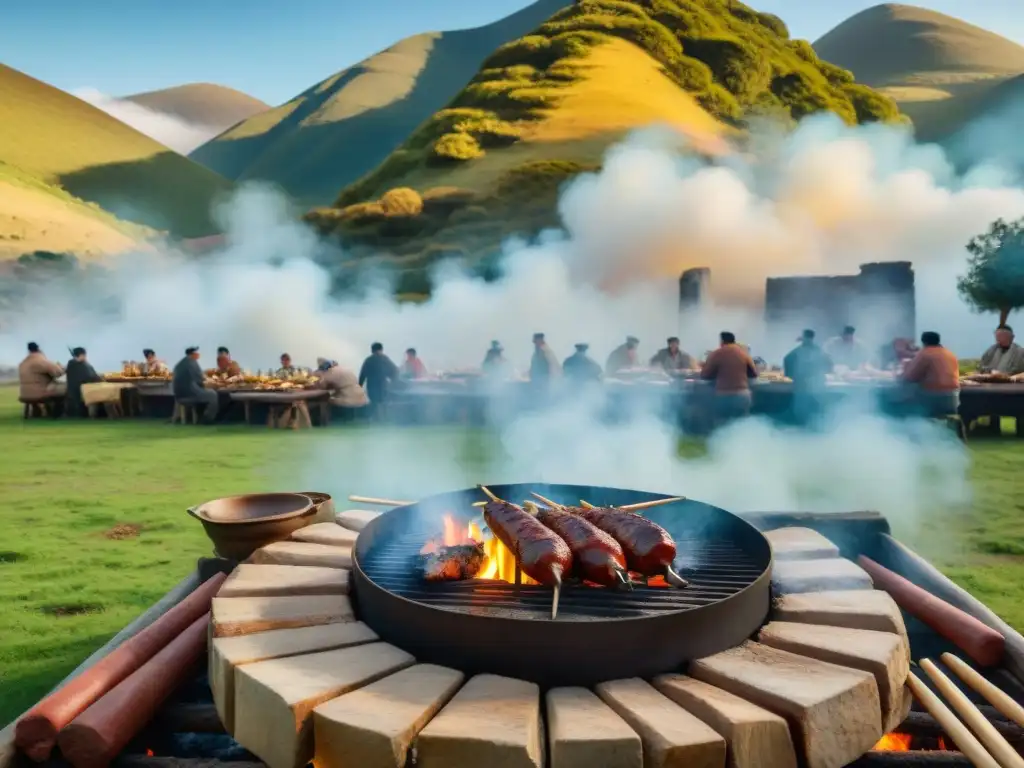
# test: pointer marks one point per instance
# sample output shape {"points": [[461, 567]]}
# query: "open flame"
{"points": [[499, 564], [902, 742]]}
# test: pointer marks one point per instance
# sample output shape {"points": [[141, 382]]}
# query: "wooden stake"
{"points": [[547, 501], [993, 695], [554, 600], [488, 494], [379, 502], [989, 736], [957, 731], [649, 504]]}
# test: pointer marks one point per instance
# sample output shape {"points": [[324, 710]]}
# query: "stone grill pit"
{"points": [[484, 625]]}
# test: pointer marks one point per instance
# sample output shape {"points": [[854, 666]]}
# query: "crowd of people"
{"points": [[932, 371]]}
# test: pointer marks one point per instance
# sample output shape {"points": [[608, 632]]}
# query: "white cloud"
{"points": [[169, 130]]}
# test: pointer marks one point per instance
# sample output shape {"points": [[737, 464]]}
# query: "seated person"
{"points": [[846, 351], [342, 384], [79, 372], [188, 385], [151, 366], [1005, 356], [672, 359], [413, 367], [580, 368], [225, 364], [287, 368], [37, 377], [935, 373]]}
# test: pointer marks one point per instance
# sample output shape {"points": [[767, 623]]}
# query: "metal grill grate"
{"points": [[715, 570]]}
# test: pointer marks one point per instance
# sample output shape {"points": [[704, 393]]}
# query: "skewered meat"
{"points": [[453, 563], [597, 556], [540, 552], [648, 547]]}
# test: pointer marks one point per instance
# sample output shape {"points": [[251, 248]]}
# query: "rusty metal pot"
{"points": [[325, 511], [239, 525]]}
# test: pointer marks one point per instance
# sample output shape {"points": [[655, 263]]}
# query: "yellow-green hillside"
{"points": [[939, 69], [546, 106], [35, 216], [208, 104], [337, 130], [62, 141]]}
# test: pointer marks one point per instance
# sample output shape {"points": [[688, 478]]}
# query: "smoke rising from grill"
{"points": [[822, 200]]}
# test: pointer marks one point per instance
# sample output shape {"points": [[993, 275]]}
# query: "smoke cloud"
{"points": [[823, 200], [169, 130]]}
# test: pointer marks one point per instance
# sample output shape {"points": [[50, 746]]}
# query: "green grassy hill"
{"points": [[216, 106], [51, 136], [337, 130], [939, 69], [546, 106], [36, 216]]}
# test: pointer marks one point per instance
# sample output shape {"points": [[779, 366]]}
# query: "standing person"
{"points": [[580, 368], [623, 356], [413, 367], [225, 364], [37, 376], [807, 366], [1004, 356], [79, 372], [672, 359], [544, 367], [376, 376], [187, 384], [152, 366], [846, 350], [934, 373], [731, 369]]}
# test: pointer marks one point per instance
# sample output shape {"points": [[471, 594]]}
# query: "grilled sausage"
{"points": [[648, 547], [541, 553], [596, 556]]}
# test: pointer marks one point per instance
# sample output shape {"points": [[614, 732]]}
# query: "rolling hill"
{"points": [[939, 69], [546, 106], [340, 128], [205, 104], [61, 141]]}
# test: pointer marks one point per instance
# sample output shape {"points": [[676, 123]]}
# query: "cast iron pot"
{"points": [[239, 525]]}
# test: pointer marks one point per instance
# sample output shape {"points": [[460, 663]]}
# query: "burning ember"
{"points": [[902, 742], [455, 552]]}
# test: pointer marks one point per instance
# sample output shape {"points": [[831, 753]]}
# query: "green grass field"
{"points": [[93, 528]]}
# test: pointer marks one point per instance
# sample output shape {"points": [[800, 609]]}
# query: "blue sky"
{"points": [[273, 49]]}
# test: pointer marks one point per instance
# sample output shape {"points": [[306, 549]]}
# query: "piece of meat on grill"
{"points": [[540, 552], [597, 557], [453, 563], [649, 549]]}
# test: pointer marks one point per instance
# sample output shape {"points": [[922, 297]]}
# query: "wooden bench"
{"points": [[46, 407]]}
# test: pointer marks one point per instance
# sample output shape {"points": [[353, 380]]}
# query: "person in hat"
{"points": [[495, 365], [672, 359], [152, 365], [623, 357], [807, 366], [579, 368], [544, 366], [189, 387], [79, 372], [225, 364]]}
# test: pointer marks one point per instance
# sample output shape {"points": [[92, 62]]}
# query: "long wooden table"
{"points": [[286, 409]]}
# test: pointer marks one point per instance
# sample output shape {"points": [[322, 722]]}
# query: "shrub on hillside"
{"points": [[691, 74], [456, 147], [803, 51], [769, 21], [401, 201], [718, 101], [742, 69], [870, 105], [682, 18], [835, 75], [441, 202], [534, 50]]}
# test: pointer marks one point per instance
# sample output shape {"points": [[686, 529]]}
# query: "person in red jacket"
{"points": [[413, 367]]}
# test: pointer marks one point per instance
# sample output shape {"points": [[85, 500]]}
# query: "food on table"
{"points": [[597, 557], [132, 371], [452, 563], [259, 381]]}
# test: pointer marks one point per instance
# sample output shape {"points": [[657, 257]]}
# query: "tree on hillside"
{"points": [[995, 270]]}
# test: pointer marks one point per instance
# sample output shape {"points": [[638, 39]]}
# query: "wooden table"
{"points": [[287, 409]]}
